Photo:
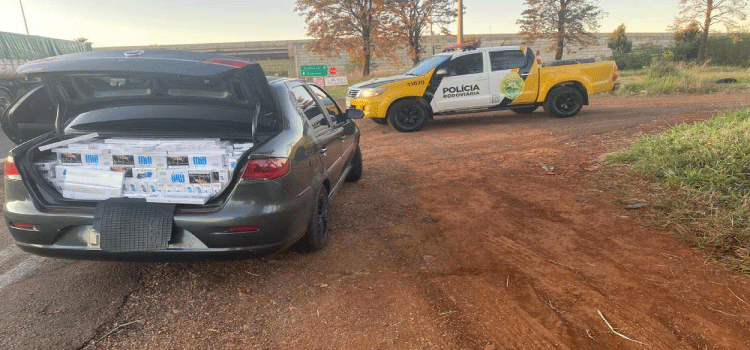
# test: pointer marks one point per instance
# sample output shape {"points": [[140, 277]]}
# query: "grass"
{"points": [[705, 167], [662, 79]]}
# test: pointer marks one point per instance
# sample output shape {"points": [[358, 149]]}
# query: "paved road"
{"points": [[409, 266]]}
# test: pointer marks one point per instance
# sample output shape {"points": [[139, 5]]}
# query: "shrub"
{"points": [[729, 50]]}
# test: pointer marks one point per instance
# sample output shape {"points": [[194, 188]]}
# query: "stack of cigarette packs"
{"points": [[183, 171]]}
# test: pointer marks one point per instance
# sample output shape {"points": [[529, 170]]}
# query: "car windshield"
{"points": [[427, 65]]}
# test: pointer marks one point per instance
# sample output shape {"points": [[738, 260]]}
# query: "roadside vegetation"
{"points": [[670, 78], [705, 172]]}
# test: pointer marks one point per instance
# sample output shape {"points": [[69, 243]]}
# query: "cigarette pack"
{"points": [[120, 158]]}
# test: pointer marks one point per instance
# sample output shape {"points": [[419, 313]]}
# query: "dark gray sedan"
{"points": [[304, 147]]}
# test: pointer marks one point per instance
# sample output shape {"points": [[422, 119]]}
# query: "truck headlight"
{"points": [[370, 92]]}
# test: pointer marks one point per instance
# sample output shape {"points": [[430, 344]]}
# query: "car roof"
{"points": [[158, 61]]}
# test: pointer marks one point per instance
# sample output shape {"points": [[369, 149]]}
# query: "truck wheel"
{"points": [[317, 229], [356, 171], [381, 121], [563, 102], [408, 115], [5, 100], [524, 110]]}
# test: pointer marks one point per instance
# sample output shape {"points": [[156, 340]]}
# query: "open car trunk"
{"points": [[148, 131]]}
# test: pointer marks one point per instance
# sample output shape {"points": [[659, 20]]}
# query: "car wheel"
{"points": [[408, 115], [525, 110], [317, 229], [5, 100], [563, 102], [381, 121], [356, 171]]}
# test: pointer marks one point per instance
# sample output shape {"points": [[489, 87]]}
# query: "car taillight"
{"points": [[11, 171], [22, 225], [266, 168], [616, 74], [237, 229]]}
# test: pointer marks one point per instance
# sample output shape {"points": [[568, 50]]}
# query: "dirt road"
{"points": [[455, 238]]}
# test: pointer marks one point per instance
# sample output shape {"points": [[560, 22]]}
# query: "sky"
{"points": [[162, 22]]}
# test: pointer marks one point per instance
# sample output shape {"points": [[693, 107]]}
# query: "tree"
{"points": [[81, 39], [565, 22], [687, 41], [413, 17], [358, 27], [711, 12], [619, 42]]}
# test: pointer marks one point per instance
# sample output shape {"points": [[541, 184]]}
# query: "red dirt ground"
{"points": [[456, 238]]}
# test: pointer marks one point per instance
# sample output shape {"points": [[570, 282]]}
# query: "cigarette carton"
{"points": [[60, 172], [88, 192], [145, 174], [120, 158], [151, 159], [207, 160], [199, 177], [94, 177], [47, 166], [178, 161], [66, 156], [96, 157]]}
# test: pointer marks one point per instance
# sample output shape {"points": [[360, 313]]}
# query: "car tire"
{"points": [[525, 110], [356, 172], [316, 236], [5, 101], [408, 115], [563, 102], [381, 121]]}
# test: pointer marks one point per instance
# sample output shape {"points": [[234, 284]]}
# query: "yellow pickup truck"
{"points": [[492, 78]]}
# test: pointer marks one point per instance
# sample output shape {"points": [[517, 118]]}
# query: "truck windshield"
{"points": [[427, 65]]}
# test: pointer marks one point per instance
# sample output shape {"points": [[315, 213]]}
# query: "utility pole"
{"points": [[24, 17], [460, 34]]}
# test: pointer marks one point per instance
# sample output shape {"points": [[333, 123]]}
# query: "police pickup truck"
{"points": [[481, 79]]}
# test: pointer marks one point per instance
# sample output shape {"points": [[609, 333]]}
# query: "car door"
{"points": [[465, 86], [327, 139], [340, 121], [513, 76], [30, 116]]}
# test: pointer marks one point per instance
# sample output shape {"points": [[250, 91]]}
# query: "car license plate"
{"points": [[348, 104], [93, 239]]}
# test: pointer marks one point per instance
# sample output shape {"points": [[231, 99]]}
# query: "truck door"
{"points": [[514, 77], [326, 137], [465, 86]]}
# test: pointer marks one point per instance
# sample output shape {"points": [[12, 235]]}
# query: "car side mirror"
{"points": [[353, 113], [441, 72]]}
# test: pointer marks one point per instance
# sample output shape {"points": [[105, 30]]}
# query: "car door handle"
{"points": [[323, 150]]}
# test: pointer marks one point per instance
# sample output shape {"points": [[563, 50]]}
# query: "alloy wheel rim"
{"points": [[409, 116], [567, 103]]}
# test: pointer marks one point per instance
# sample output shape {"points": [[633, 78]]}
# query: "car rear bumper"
{"points": [[280, 220]]}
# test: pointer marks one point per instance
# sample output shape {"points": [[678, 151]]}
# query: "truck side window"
{"points": [[505, 60], [467, 64], [309, 108]]}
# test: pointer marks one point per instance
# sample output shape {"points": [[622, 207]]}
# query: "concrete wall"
{"points": [[299, 53]]}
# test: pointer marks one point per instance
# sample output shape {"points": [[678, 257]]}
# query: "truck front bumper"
{"points": [[371, 109]]}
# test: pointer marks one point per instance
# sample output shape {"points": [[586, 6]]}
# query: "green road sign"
{"points": [[314, 70]]}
